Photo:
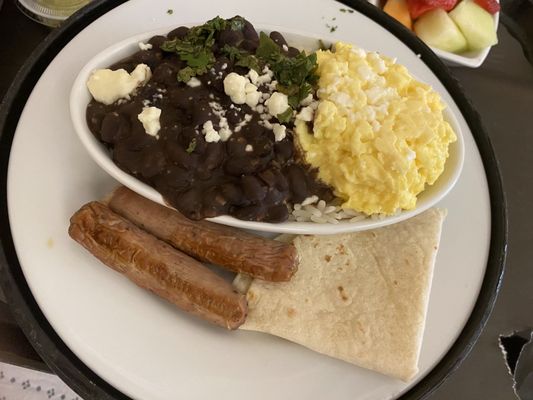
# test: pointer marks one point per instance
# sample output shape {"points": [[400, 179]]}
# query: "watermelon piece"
{"points": [[419, 7], [492, 6]]}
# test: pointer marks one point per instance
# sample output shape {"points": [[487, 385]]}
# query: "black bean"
{"points": [[297, 183], [249, 32], [284, 151], [165, 73], [178, 33], [214, 155], [114, 127], [157, 41], [255, 212], [237, 166], [229, 37], [278, 38], [201, 113], [293, 52], [179, 156], [190, 203], [153, 163], [249, 45], [275, 196], [253, 189], [233, 194], [175, 177], [277, 213], [214, 203]]}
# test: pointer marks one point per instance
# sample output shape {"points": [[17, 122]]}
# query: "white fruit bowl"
{"points": [[472, 59], [80, 97]]}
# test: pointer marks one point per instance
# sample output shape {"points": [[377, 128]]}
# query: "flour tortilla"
{"points": [[360, 297]]}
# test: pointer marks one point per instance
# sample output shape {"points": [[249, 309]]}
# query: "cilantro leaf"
{"points": [[285, 116], [268, 50], [191, 146], [249, 61], [196, 48], [296, 76]]}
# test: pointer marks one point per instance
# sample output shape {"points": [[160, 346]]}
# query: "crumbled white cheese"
{"points": [[285, 47], [194, 82], [277, 103], [107, 86], [307, 101], [279, 132], [141, 74], [305, 114], [260, 108], [234, 87], [253, 75], [145, 46], [250, 87], [249, 148], [146, 102], [211, 135], [253, 98], [224, 130], [224, 66], [266, 77], [149, 117]]}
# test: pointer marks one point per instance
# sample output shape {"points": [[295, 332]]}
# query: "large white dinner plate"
{"points": [[141, 345]]}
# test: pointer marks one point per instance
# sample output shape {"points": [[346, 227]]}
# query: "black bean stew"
{"points": [[251, 176]]}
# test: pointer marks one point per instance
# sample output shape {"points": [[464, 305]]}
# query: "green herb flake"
{"points": [[196, 48], [332, 28], [346, 10], [295, 75], [191, 146], [285, 116], [170, 11]]}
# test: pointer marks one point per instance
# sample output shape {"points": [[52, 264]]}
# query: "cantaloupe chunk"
{"points": [[398, 10]]}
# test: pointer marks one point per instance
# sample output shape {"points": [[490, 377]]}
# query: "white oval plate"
{"points": [[80, 97], [146, 348]]}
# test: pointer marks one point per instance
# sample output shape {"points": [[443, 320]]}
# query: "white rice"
{"points": [[312, 209]]}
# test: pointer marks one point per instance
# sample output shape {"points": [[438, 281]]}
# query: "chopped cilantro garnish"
{"points": [[191, 146], [196, 48], [348, 10], [170, 11], [285, 116], [241, 57], [295, 75]]}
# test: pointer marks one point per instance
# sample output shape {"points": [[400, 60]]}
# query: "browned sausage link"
{"points": [[154, 265], [206, 241]]}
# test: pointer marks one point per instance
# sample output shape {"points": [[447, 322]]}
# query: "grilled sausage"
{"points": [[206, 241], [154, 265]]}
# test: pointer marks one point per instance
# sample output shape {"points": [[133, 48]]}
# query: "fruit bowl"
{"points": [[472, 59]]}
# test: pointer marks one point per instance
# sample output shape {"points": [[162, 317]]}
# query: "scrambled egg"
{"points": [[379, 135]]}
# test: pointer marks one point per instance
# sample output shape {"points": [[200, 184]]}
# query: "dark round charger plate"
{"points": [[90, 386]]}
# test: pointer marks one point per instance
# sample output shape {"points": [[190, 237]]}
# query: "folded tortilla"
{"points": [[360, 297]]}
